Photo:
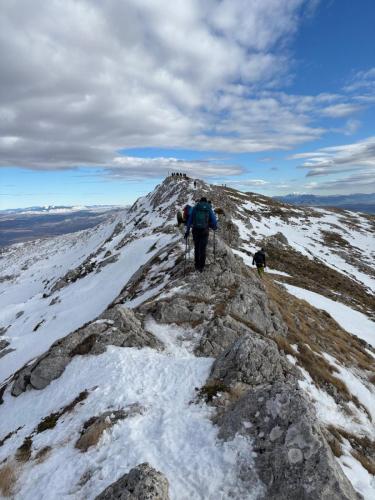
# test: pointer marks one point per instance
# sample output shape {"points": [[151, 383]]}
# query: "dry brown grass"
{"points": [[366, 462], [94, 428], [334, 442], [363, 447], [330, 238], [317, 277], [51, 420], [92, 436], [315, 332], [42, 454], [23, 453], [8, 479], [211, 389]]}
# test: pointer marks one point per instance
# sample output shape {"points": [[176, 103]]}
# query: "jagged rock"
{"points": [[219, 334], [109, 260], [93, 429], [140, 483], [293, 459], [3, 330], [117, 230], [180, 310], [227, 301], [275, 240], [3, 348], [7, 277], [250, 360], [252, 304], [88, 266], [3, 344], [117, 326], [237, 304]]}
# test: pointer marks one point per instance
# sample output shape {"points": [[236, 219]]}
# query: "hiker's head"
{"points": [[262, 249], [203, 199]]}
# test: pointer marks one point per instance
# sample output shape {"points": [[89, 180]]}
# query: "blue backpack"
{"points": [[201, 216]]}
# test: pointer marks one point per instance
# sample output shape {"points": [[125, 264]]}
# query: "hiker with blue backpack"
{"points": [[201, 219]]}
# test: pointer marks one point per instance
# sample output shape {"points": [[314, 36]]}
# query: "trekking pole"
{"points": [[215, 245], [186, 246]]}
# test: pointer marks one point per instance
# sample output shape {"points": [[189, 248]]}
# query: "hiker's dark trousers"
{"points": [[200, 237]]}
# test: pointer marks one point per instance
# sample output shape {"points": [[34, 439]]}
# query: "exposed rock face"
{"points": [[240, 304], [293, 459], [141, 483], [90, 265], [3, 330], [3, 344], [3, 348], [250, 360], [275, 240], [227, 300], [117, 326], [219, 335]]}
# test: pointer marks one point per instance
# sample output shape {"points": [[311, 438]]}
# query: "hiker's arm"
{"points": [[213, 220], [189, 222]]}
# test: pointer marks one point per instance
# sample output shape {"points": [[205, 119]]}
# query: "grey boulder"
{"points": [[293, 459], [117, 326], [250, 360], [140, 483]]}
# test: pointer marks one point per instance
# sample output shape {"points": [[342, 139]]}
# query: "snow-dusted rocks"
{"points": [[141, 483], [292, 457], [280, 376], [250, 360], [117, 326], [275, 240]]}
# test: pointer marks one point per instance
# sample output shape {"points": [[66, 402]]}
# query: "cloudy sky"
{"points": [[100, 99]]}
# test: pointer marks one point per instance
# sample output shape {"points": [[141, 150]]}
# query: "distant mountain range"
{"points": [[23, 224], [58, 209], [356, 202]]}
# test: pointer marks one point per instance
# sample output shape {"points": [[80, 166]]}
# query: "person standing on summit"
{"points": [[201, 219]]}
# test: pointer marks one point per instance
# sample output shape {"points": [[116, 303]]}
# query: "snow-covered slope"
{"points": [[67, 292]]}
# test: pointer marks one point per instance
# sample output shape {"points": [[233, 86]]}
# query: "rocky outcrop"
{"points": [[292, 459], [4, 349], [275, 240], [250, 360], [140, 483], [219, 335], [226, 302], [117, 326], [90, 265]]}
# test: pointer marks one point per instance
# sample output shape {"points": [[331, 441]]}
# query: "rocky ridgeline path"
{"points": [[252, 385], [252, 388]]}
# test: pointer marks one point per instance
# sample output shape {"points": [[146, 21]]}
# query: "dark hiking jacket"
{"points": [[259, 259], [212, 221]]}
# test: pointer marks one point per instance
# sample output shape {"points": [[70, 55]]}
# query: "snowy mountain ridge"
{"points": [[112, 354], [57, 209], [355, 202]]}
